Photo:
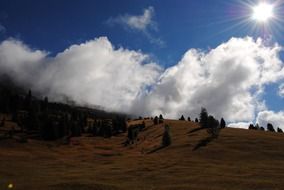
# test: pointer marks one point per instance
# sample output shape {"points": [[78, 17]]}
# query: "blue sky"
{"points": [[54, 25], [174, 28]]}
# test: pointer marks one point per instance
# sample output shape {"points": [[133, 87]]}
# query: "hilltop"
{"points": [[238, 159]]}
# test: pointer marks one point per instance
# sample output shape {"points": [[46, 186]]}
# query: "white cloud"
{"points": [[90, 73], [281, 90], [143, 23], [19, 61], [228, 81], [275, 118], [240, 125]]}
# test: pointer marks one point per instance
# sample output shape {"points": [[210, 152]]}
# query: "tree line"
{"points": [[269, 127], [53, 120]]}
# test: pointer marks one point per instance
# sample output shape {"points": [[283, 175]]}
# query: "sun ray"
{"points": [[265, 18], [239, 17]]}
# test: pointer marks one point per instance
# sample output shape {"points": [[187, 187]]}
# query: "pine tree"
{"points": [[212, 126], [28, 100], [270, 127], [251, 127], [203, 117], [182, 118], [156, 120], [222, 123], [166, 141], [262, 129], [279, 130], [256, 126]]}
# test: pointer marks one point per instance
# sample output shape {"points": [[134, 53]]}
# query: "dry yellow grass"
{"points": [[238, 160]]}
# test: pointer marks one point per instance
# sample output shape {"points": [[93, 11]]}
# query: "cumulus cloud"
{"points": [[227, 80], [92, 73], [268, 116], [143, 23], [281, 90], [20, 62], [240, 125]]}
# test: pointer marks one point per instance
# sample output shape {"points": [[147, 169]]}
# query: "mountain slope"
{"points": [[238, 159]]}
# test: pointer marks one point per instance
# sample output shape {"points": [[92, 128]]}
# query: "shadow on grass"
{"points": [[156, 149], [197, 129], [207, 140], [203, 142]]}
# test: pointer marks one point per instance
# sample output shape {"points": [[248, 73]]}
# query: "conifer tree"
{"points": [[203, 117], [270, 127], [166, 141], [182, 118], [188, 119], [222, 123]]}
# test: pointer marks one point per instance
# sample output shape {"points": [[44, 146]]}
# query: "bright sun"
{"points": [[262, 12]]}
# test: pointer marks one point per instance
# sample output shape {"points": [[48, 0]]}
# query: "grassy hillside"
{"points": [[238, 160]]}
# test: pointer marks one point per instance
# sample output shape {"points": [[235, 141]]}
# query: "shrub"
{"points": [[196, 120], [188, 119], [161, 117]]}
